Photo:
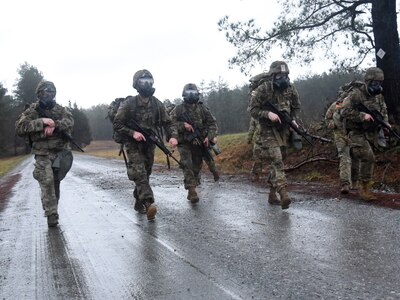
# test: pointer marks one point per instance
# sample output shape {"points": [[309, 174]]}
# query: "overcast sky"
{"points": [[91, 49]]}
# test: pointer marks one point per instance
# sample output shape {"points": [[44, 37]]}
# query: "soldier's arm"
{"points": [[28, 122], [211, 124], [66, 123], [121, 118], [252, 129], [255, 107], [384, 109], [169, 126], [348, 110]]}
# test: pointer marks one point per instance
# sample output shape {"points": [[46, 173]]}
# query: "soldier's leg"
{"points": [[213, 168], [138, 172], [343, 150], [277, 175], [43, 173], [355, 172], [191, 179], [256, 170], [362, 150]]}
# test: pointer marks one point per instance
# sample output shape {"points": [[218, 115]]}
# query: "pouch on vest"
{"points": [[62, 164]]}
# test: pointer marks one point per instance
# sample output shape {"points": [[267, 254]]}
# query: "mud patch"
{"points": [[5, 189]]}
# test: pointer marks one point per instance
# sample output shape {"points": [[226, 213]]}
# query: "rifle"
{"points": [[288, 120], [378, 118], [121, 151], [151, 138], [196, 136], [65, 135]]}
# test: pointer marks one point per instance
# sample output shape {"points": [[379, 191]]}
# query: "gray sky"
{"points": [[91, 49]]}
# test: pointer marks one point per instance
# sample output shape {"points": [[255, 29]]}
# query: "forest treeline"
{"points": [[228, 105]]}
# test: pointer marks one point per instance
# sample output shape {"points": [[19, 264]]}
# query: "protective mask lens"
{"points": [[145, 82]]}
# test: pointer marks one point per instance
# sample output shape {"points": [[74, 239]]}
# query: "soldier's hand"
{"points": [[173, 142], [214, 140], [205, 142], [48, 131], [368, 118], [49, 122], [188, 127], [274, 117], [295, 124], [137, 136]]}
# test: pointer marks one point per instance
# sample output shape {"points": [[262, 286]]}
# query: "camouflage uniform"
{"points": [[364, 133], [274, 135], [150, 116], [169, 107], [192, 154], [46, 148], [348, 166], [253, 137]]}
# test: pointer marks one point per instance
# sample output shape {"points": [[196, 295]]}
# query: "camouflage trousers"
{"points": [[348, 165], [257, 159], [211, 165], [362, 151], [192, 161], [140, 165], [49, 187], [276, 178]]}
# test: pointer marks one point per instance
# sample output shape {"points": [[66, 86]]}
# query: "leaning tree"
{"points": [[345, 32]]}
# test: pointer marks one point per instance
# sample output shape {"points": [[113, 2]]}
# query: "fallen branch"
{"points": [[287, 169]]}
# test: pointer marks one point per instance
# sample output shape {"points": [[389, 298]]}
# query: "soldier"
{"points": [[149, 113], [278, 90], [253, 137], [45, 123], [362, 130], [193, 148], [348, 166]]}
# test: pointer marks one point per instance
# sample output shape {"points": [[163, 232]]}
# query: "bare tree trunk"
{"points": [[386, 38]]}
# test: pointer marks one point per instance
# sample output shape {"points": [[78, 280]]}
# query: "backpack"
{"points": [[112, 111], [257, 80]]}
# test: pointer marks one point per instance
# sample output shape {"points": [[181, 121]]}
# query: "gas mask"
{"points": [[281, 81], [374, 87], [46, 97], [144, 86], [191, 96]]}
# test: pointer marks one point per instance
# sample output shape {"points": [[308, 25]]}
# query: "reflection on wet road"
{"points": [[232, 245]]}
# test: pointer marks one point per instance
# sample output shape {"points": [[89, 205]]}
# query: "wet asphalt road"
{"points": [[232, 245]]}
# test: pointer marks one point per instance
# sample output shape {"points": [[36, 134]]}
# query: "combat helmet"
{"points": [[46, 92], [45, 86], [374, 73], [143, 82], [278, 67], [190, 93]]}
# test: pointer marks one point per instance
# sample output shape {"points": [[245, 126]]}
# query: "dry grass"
{"points": [[6, 164]]}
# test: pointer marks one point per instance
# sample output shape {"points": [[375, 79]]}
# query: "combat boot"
{"points": [[285, 200], [52, 220], [354, 184], [216, 176], [345, 189], [365, 191], [192, 195], [151, 210], [272, 198], [139, 207]]}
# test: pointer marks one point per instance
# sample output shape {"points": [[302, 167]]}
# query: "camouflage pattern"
{"points": [[278, 67], [348, 166], [191, 155], [274, 135], [253, 137], [30, 124], [374, 73], [141, 154], [140, 74], [362, 134]]}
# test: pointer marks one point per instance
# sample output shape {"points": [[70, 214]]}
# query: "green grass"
{"points": [[7, 164]]}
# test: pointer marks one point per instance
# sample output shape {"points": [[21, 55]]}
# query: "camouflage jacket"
{"points": [[354, 119], [287, 100], [149, 115], [253, 134], [29, 124], [201, 116]]}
